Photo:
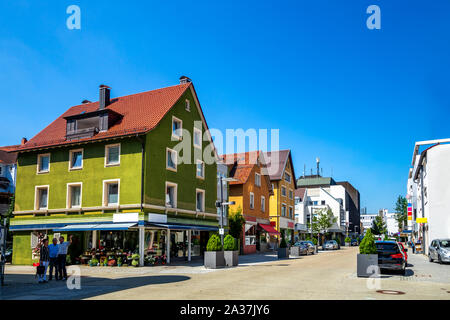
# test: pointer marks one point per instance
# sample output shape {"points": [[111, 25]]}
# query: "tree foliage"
{"points": [[367, 245], [236, 222], [322, 221], [283, 243], [401, 210], [378, 225]]}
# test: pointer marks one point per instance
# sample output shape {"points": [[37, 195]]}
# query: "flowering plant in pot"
{"points": [[135, 260], [231, 255], [214, 256]]}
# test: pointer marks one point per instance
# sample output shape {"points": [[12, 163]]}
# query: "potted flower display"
{"points": [[214, 256], [283, 250], [119, 261], [367, 257], [135, 260], [231, 254], [93, 262]]}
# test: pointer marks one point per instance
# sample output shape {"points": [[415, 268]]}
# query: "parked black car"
{"points": [[390, 256]]}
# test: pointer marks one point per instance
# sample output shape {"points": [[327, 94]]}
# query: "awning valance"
{"points": [[91, 227], [182, 227], [269, 229]]}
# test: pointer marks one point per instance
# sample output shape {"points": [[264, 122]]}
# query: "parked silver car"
{"points": [[439, 250], [330, 245], [302, 247]]}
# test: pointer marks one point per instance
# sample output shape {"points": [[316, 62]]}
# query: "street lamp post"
{"points": [[220, 204]]}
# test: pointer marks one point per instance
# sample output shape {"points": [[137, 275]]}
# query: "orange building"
{"points": [[251, 191]]}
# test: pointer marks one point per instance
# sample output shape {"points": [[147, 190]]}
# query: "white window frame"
{"points": [[263, 204], [283, 205], [39, 163], [175, 162], [105, 192], [201, 138], [290, 177], [187, 105], [203, 199], [175, 136], [175, 185], [285, 190], [291, 215], [203, 169], [69, 194], [252, 200], [36, 196], [107, 154], [71, 152], [257, 183]]}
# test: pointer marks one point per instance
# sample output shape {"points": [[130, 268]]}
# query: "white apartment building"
{"points": [[367, 220], [428, 191], [310, 200]]}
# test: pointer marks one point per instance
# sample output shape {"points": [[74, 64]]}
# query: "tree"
{"points": [[367, 245], [236, 222], [401, 210], [378, 225], [322, 221]]}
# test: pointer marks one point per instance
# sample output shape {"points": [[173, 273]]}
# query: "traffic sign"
{"points": [[221, 231]]}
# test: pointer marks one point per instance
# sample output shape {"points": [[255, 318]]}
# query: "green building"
{"points": [[135, 174]]}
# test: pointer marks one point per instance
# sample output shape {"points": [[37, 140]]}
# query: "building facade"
{"points": [[250, 190], [428, 191], [8, 169], [280, 169], [124, 173]]}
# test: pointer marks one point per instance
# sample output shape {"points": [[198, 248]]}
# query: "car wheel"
{"points": [[439, 259], [404, 271], [430, 258]]}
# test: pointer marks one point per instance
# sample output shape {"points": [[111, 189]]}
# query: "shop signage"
{"points": [[421, 220], [159, 218], [126, 217], [409, 211]]}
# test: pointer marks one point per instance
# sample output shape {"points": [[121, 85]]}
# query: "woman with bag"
{"points": [[43, 262]]}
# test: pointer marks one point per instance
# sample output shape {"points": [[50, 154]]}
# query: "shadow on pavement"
{"points": [[25, 286], [390, 273]]}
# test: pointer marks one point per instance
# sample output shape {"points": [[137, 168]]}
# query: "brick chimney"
{"points": [[104, 99], [24, 140]]}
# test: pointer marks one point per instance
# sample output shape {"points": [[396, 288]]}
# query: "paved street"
{"points": [[328, 275]]}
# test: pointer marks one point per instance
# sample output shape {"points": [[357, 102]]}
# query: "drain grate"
{"points": [[394, 292]]}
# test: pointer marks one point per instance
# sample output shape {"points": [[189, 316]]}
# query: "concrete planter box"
{"points": [[231, 258], [347, 244], [295, 251], [364, 261], [214, 259], [283, 253]]}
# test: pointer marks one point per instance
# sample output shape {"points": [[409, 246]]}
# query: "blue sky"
{"points": [[355, 97]]}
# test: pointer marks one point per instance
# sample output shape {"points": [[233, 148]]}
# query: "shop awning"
{"points": [[183, 227], [91, 227], [269, 229]]}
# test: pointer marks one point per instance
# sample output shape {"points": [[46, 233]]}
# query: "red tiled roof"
{"points": [[245, 163], [141, 113], [276, 163], [7, 156]]}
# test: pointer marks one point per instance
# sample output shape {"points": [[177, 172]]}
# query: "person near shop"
{"points": [[44, 259], [62, 254], [53, 249]]}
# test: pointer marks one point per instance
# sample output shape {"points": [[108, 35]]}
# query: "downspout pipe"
{"points": [[142, 141]]}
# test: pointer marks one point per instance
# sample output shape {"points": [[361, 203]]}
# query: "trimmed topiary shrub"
{"points": [[367, 245], [348, 240], [283, 243], [214, 243], [229, 243]]}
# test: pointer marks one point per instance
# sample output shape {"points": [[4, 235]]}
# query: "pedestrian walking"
{"points": [[44, 259], [62, 254], [54, 249]]}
